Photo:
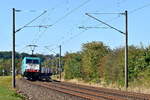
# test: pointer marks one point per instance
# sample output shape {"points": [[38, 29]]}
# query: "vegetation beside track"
{"points": [[96, 63], [99, 64], [6, 92]]}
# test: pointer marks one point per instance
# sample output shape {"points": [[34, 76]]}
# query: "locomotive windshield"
{"points": [[31, 61]]}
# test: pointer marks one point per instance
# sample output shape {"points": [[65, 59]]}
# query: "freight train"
{"points": [[32, 70]]}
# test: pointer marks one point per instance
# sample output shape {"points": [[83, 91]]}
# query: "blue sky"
{"points": [[66, 16]]}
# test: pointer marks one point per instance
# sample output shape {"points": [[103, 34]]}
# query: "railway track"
{"points": [[90, 93], [129, 95]]}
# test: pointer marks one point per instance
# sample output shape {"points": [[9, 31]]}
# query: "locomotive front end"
{"points": [[31, 67]]}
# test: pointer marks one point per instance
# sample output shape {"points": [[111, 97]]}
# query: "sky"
{"points": [[65, 17]]}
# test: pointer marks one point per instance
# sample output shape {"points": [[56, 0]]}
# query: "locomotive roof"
{"points": [[31, 58]]}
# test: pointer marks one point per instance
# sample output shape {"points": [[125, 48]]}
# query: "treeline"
{"points": [[8, 55], [96, 62], [6, 62]]}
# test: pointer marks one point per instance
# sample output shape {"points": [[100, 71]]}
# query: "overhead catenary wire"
{"points": [[130, 12], [38, 37], [22, 49], [50, 50], [40, 26], [70, 12], [110, 20], [139, 8], [91, 27], [27, 25], [63, 17], [50, 10], [39, 34], [72, 37], [119, 2], [62, 39], [58, 41], [65, 41], [31, 10], [104, 13], [104, 23], [31, 21], [34, 41]]}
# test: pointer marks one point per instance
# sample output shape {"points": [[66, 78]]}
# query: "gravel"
{"points": [[34, 92]]}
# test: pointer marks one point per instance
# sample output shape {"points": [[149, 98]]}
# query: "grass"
{"points": [[6, 92]]}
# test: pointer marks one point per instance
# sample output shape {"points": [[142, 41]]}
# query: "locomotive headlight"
{"points": [[27, 66], [37, 66]]}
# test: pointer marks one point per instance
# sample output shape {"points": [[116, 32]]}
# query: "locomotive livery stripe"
{"points": [[32, 70]]}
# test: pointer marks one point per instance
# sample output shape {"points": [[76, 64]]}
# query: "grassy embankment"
{"points": [[6, 92]]}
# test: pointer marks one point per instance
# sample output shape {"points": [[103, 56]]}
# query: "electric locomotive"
{"points": [[32, 70], [31, 67]]}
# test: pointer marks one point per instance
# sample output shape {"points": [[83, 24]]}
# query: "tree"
{"points": [[92, 53], [113, 65], [72, 65]]}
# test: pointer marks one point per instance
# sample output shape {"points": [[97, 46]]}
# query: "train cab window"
{"points": [[35, 61], [31, 61]]}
